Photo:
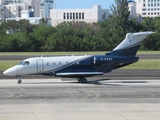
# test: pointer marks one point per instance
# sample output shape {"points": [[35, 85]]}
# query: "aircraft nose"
{"points": [[10, 72], [5, 72]]}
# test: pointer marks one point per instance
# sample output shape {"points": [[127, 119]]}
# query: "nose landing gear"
{"points": [[19, 80]]}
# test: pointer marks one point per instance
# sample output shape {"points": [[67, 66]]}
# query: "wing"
{"points": [[75, 74]]}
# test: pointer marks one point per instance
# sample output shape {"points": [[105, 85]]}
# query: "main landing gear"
{"points": [[19, 80], [82, 80]]}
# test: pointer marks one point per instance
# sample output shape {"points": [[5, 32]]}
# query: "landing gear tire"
{"points": [[19, 81], [82, 80]]}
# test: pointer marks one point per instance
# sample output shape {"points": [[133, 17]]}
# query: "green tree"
{"points": [[152, 42], [134, 26], [39, 37], [148, 24], [43, 21], [120, 14]]}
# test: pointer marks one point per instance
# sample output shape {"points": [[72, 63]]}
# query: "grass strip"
{"points": [[48, 53], [5, 64], [141, 64], [145, 64]]}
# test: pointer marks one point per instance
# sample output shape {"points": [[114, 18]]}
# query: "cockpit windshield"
{"points": [[24, 63], [20, 63]]}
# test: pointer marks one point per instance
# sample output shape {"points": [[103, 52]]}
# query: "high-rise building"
{"points": [[2, 10], [2, 2], [20, 9], [35, 6], [46, 6], [132, 9], [13, 8], [148, 8]]}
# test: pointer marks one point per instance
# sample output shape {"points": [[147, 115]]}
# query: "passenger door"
{"points": [[40, 68]]}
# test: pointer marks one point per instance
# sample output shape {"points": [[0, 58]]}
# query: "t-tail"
{"points": [[125, 52], [130, 45]]}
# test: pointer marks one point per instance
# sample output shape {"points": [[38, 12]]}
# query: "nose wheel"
{"points": [[19, 80]]}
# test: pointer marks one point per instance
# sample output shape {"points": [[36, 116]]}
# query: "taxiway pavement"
{"points": [[115, 74], [56, 99], [22, 57]]}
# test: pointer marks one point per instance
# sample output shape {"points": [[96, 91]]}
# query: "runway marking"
{"points": [[118, 113], [153, 95], [90, 95], [6, 94]]}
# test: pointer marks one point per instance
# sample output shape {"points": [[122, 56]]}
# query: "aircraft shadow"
{"points": [[92, 82], [100, 82]]}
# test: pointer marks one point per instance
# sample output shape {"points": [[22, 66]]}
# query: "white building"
{"points": [[32, 20], [46, 6], [20, 9], [1, 13], [132, 9], [25, 14], [148, 8], [2, 2], [34, 5], [31, 4], [13, 8], [96, 14]]}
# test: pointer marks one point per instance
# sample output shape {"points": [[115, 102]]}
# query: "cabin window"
{"points": [[26, 63], [47, 63], [54, 63], [60, 63], [67, 62]]}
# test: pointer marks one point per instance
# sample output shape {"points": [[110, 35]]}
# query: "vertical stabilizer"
{"points": [[130, 45]]}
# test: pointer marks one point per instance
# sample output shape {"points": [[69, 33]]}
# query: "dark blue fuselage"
{"points": [[98, 63]]}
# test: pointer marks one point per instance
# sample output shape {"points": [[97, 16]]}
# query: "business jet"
{"points": [[80, 67]]}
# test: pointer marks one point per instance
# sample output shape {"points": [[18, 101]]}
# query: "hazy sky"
{"points": [[67, 4]]}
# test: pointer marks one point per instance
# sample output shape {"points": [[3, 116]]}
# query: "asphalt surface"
{"points": [[142, 56], [115, 74], [55, 99], [57, 90]]}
